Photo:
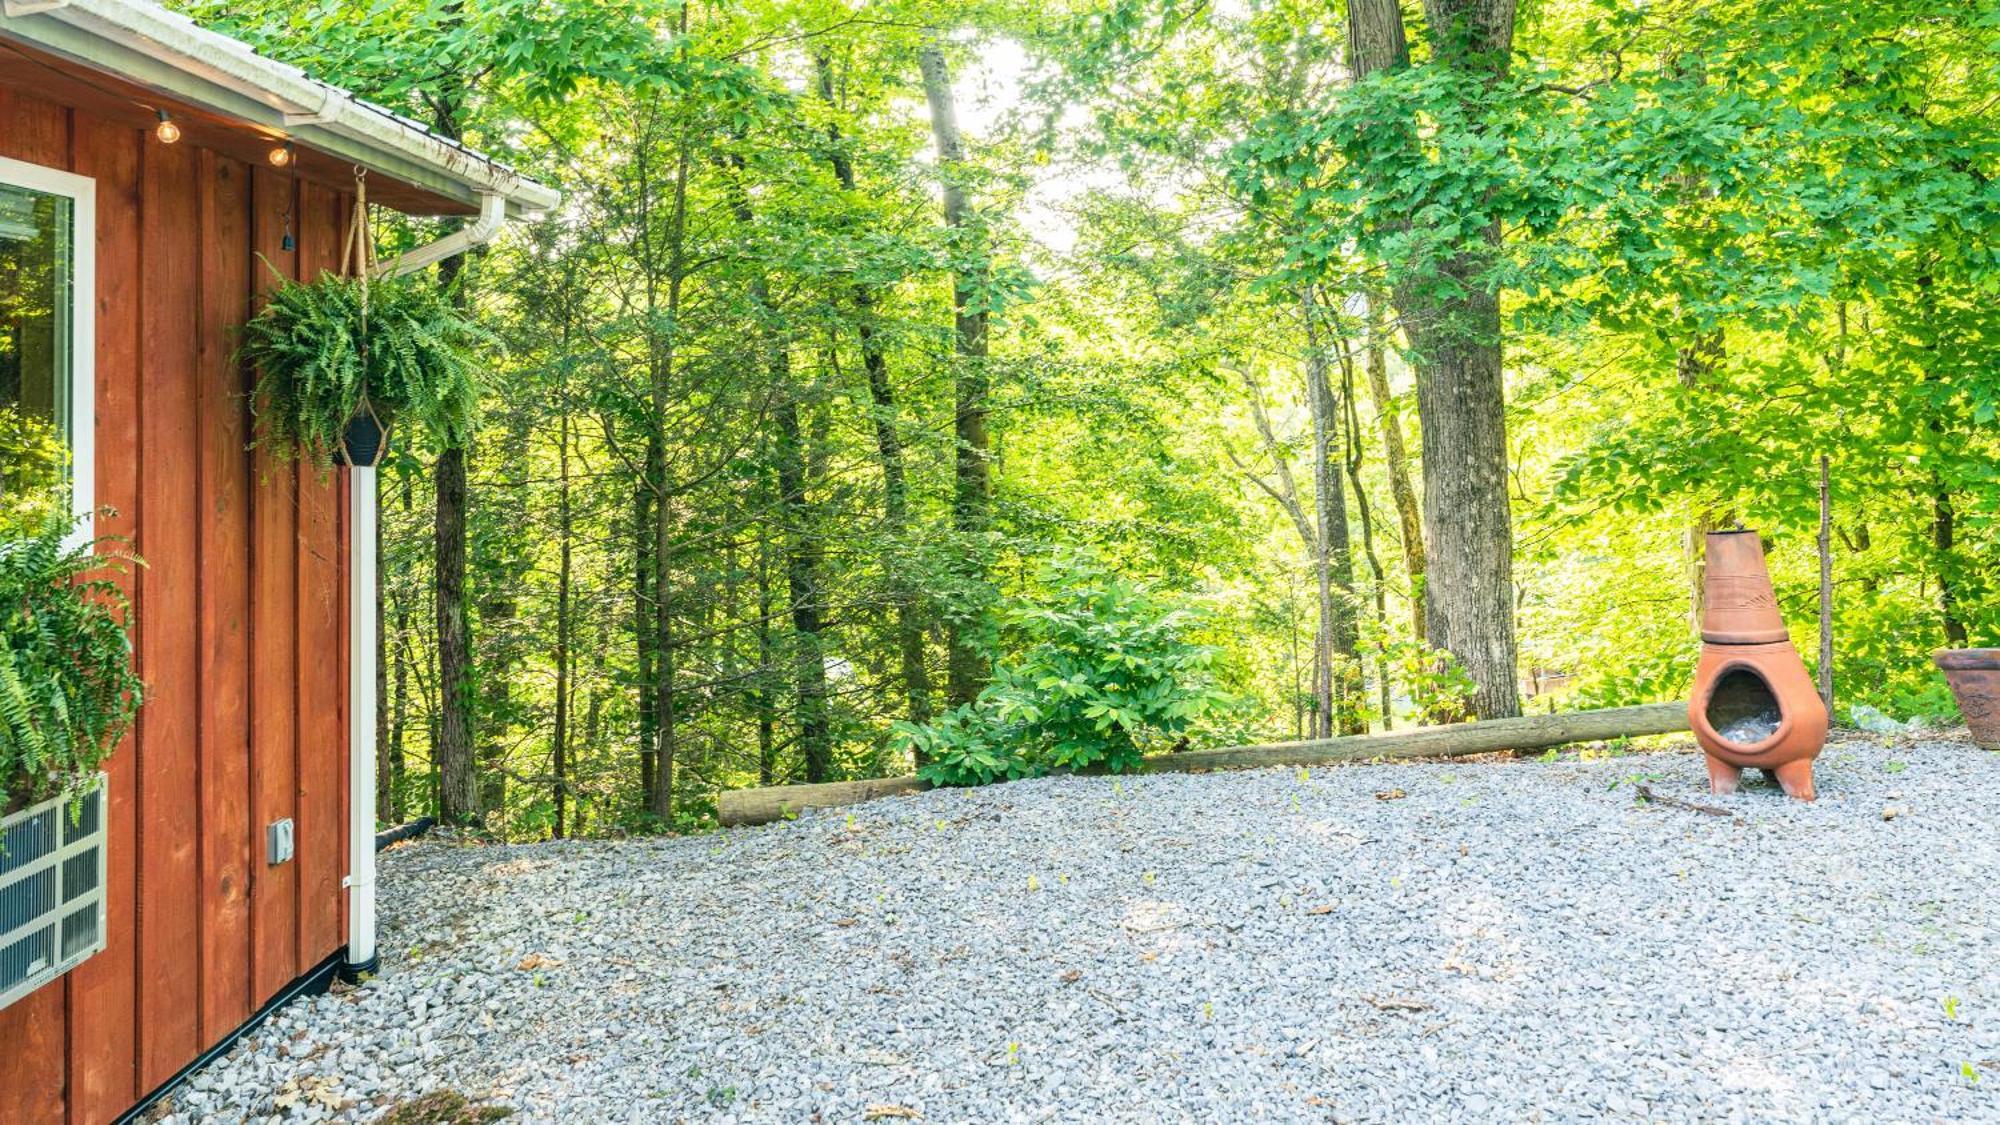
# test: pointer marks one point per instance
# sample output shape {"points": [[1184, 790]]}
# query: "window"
{"points": [[47, 283]]}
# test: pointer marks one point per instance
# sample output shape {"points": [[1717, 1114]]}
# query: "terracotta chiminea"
{"points": [[1753, 705]]}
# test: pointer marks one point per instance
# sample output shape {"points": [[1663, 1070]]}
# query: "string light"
{"points": [[281, 155], [166, 130]]}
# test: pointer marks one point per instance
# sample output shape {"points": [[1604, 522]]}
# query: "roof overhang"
{"points": [[145, 45]]}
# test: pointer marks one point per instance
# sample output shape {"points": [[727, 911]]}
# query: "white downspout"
{"points": [[361, 703], [362, 957], [492, 216]]}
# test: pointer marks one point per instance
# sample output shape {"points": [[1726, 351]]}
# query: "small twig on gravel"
{"points": [[1646, 794], [1109, 1002], [1397, 1004]]}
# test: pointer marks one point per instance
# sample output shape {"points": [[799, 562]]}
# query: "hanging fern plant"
{"points": [[329, 349], [67, 687]]}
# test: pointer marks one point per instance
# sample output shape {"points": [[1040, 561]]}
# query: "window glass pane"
{"points": [[36, 338]]}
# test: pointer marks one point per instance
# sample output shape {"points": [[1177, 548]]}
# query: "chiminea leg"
{"points": [[1722, 777], [1797, 779]]}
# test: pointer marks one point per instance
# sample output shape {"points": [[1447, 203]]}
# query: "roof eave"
{"points": [[169, 53]]}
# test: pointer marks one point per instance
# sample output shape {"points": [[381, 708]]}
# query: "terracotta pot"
{"points": [[1974, 676], [1753, 705]]}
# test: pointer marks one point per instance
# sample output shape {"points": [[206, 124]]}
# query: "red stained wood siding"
{"points": [[240, 627]]}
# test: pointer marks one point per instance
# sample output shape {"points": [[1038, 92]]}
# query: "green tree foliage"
{"points": [[32, 461], [711, 538]]}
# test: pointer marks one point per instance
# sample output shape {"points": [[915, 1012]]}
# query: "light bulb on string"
{"points": [[281, 155], [166, 130]]}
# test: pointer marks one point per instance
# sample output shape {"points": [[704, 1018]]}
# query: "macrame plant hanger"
{"points": [[357, 260]]}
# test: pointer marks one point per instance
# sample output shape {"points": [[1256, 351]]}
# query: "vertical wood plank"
{"points": [[37, 131], [226, 844], [322, 692], [103, 991], [273, 633], [33, 1068], [169, 824]]}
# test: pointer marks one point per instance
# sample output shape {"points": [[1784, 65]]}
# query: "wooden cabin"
{"points": [[153, 168]]}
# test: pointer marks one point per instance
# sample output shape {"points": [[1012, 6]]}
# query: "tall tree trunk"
{"points": [[642, 615], [1396, 457], [1944, 514], [1339, 672], [1307, 525], [565, 528], [458, 796], [1351, 430], [1469, 592], [1453, 321], [1944, 542], [910, 625], [767, 711], [973, 487], [661, 359], [802, 579]]}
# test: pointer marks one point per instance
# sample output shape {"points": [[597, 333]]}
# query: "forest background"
{"points": [[917, 378]]}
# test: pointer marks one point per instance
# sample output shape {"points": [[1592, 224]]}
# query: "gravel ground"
{"points": [[1450, 941]]}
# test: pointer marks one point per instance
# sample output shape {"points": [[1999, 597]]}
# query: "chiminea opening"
{"points": [[1742, 708]]}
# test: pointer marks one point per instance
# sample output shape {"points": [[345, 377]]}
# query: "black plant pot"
{"points": [[365, 440]]}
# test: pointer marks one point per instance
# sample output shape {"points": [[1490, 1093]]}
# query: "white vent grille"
{"points": [[51, 890]]}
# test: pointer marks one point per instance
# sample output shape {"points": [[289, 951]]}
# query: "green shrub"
{"points": [[324, 346], [1103, 671], [966, 747], [67, 688]]}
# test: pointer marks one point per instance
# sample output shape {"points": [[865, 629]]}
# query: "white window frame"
{"points": [[81, 191]]}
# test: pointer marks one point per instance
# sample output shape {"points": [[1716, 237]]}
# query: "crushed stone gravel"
{"points": [[1450, 941]]}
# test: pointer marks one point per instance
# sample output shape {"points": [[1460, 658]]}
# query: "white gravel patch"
{"points": [[1505, 941]]}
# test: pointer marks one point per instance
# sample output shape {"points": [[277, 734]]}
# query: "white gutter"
{"points": [[144, 43]]}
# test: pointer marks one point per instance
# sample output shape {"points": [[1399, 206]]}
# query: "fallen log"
{"points": [[1528, 732], [762, 806]]}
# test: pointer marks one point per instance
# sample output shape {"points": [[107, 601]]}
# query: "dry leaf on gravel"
{"points": [[1390, 794], [880, 1112]]}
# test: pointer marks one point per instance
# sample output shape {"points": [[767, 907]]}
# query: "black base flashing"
{"points": [[313, 983]]}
